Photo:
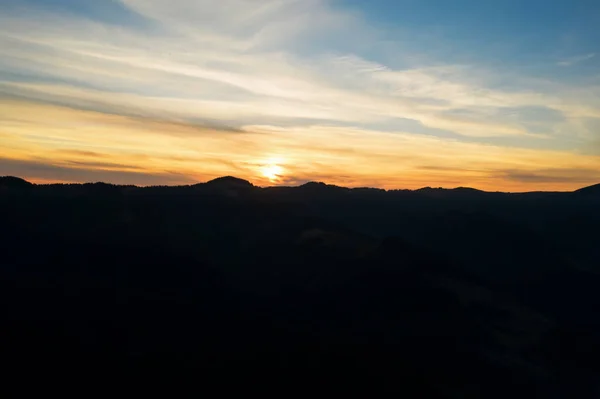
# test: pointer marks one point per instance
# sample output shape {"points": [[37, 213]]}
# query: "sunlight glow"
{"points": [[272, 171]]}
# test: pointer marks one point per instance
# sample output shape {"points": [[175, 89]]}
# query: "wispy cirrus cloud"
{"points": [[575, 60], [249, 64]]}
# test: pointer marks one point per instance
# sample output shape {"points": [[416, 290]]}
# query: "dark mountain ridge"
{"points": [[14, 182], [590, 190], [463, 293], [232, 181]]}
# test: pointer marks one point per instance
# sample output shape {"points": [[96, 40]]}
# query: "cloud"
{"points": [[575, 60], [234, 63], [81, 153], [54, 142], [42, 172], [554, 175], [103, 165]]}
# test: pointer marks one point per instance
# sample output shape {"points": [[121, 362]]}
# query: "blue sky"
{"points": [[529, 36], [504, 76]]}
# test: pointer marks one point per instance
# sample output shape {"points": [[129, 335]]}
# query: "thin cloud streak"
{"points": [[576, 60], [47, 173]]}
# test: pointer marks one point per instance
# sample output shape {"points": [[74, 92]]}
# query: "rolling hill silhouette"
{"points": [[590, 190], [13, 182], [441, 293]]}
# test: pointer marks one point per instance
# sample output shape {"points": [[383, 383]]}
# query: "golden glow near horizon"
{"points": [[45, 143]]}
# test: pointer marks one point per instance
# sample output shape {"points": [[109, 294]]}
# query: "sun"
{"points": [[272, 172]]}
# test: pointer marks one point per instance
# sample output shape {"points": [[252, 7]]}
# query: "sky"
{"points": [[501, 96]]}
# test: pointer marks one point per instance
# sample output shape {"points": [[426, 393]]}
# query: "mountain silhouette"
{"points": [[590, 190], [434, 292], [227, 185], [13, 182], [229, 182]]}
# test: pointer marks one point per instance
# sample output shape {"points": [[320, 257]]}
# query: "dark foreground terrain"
{"points": [[427, 293]]}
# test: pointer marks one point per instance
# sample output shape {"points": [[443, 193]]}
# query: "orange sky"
{"points": [[49, 143]]}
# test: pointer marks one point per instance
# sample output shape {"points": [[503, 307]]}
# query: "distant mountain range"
{"points": [[231, 182]]}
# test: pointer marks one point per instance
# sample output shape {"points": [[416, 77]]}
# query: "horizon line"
{"points": [[63, 183]]}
